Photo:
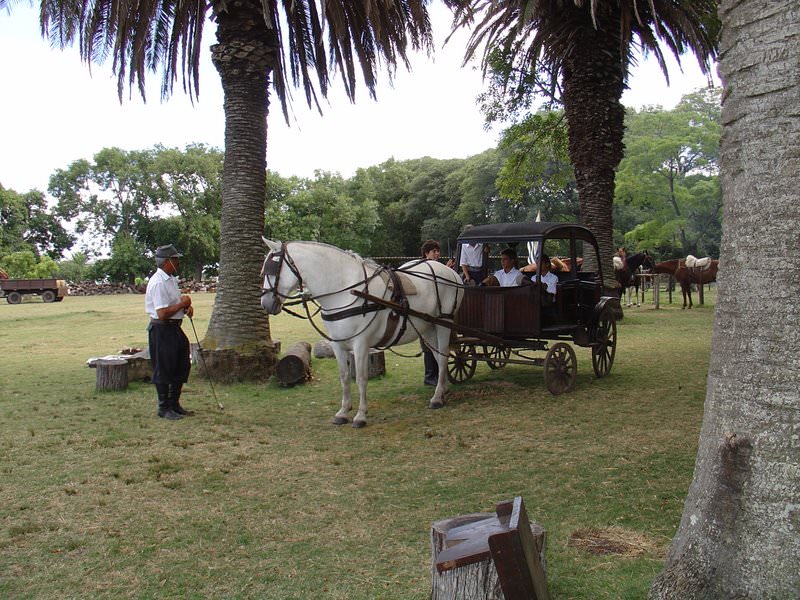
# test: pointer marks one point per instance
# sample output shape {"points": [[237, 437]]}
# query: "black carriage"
{"points": [[520, 324]]}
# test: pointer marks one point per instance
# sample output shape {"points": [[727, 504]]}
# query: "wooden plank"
{"points": [[516, 557]]}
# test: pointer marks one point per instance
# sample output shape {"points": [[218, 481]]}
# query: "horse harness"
{"points": [[393, 278]]}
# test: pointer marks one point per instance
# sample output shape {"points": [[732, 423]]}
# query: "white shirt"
{"points": [[550, 279], [472, 255], [508, 279], [162, 291]]}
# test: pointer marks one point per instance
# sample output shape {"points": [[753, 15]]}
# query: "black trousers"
{"points": [[169, 353]]}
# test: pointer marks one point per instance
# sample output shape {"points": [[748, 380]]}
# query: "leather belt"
{"points": [[174, 322]]}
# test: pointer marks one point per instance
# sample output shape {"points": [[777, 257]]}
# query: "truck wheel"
{"points": [[48, 296], [14, 298]]}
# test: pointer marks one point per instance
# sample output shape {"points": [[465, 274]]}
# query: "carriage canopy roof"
{"points": [[528, 231]]}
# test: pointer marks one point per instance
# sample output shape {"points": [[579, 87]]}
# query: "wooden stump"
{"points": [[112, 374], [477, 581], [376, 365], [295, 366], [484, 557]]}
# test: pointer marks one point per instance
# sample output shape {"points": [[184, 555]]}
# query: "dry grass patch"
{"points": [[615, 540]]}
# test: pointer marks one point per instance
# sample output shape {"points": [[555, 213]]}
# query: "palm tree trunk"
{"points": [[238, 325], [593, 86], [738, 536]]}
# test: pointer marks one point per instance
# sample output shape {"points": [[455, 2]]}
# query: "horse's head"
{"points": [[280, 278], [648, 264]]}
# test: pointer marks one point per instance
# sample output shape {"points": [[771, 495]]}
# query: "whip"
{"points": [[205, 368]]}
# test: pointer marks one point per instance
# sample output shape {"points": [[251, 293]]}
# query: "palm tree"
{"points": [[738, 537], [584, 49], [284, 43]]}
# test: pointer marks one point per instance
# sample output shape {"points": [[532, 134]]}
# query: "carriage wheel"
{"points": [[605, 344], [461, 364], [560, 369], [496, 356]]}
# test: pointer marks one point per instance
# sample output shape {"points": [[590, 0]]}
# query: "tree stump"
{"points": [[478, 556], [375, 367], [111, 374], [477, 581], [295, 366]]}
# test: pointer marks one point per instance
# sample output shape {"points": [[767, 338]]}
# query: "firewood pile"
{"points": [[91, 288]]}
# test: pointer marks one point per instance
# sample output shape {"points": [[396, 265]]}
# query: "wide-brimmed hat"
{"points": [[168, 251]]}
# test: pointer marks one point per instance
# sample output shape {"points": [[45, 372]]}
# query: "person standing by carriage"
{"points": [[431, 250], [168, 344]]}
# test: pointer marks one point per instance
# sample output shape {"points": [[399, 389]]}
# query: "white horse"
{"points": [[329, 275]]}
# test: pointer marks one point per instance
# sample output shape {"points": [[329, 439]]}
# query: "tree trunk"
{"points": [[738, 537], [243, 58], [593, 86]]}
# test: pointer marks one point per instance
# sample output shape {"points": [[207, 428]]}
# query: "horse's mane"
{"points": [[351, 253]]}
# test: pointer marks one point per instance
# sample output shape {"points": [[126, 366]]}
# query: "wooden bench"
{"points": [[508, 540]]}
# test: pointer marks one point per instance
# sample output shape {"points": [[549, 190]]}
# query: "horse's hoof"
{"points": [[436, 405], [359, 424], [340, 420]]}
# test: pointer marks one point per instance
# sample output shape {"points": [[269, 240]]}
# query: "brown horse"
{"points": [[687, 276]]}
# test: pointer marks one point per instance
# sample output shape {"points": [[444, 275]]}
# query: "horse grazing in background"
{"points": [[327, 276], [687, 275], [625, 269]]}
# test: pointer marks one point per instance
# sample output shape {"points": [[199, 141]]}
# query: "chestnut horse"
{"points": [[687, 276]]}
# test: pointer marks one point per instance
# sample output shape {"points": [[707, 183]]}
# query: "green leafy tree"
{"points": [[111, 196], [669, 177], [320, 209], [24, 264], [189, 182], [128, 261], [26, 222], [75, 268], [578, 52], [299, 43]]}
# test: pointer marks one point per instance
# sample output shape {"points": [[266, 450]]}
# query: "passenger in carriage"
{"points": [[548, 278], [509, 275]]}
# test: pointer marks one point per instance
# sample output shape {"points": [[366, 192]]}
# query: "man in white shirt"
{"points": [[472, 262], [509, 275], [169, 346]]}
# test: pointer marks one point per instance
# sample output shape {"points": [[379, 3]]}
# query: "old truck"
{"points": [[50, 290]]}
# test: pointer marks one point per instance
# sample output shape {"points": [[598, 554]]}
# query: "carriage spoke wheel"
{"points": [[496, 356], [560, 369], [605, 344], [461, 364]]}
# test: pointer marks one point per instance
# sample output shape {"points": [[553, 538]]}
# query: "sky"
{"points": [[55, 110]]}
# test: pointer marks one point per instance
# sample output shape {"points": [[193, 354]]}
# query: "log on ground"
{"points": [[111, 374], [295, 366]]}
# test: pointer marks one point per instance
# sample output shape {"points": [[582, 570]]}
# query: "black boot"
{"points": [[175, 400], [431, 368], [164, 404]]}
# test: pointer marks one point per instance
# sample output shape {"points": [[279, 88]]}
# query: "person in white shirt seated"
{"points": [[509, 275], [548, 278]]}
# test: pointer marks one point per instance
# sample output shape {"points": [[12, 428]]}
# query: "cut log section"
{"points": [[112, 375], [295, 366]]}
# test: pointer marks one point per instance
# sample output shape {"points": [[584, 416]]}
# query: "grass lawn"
{"points": [[101, 499]]}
